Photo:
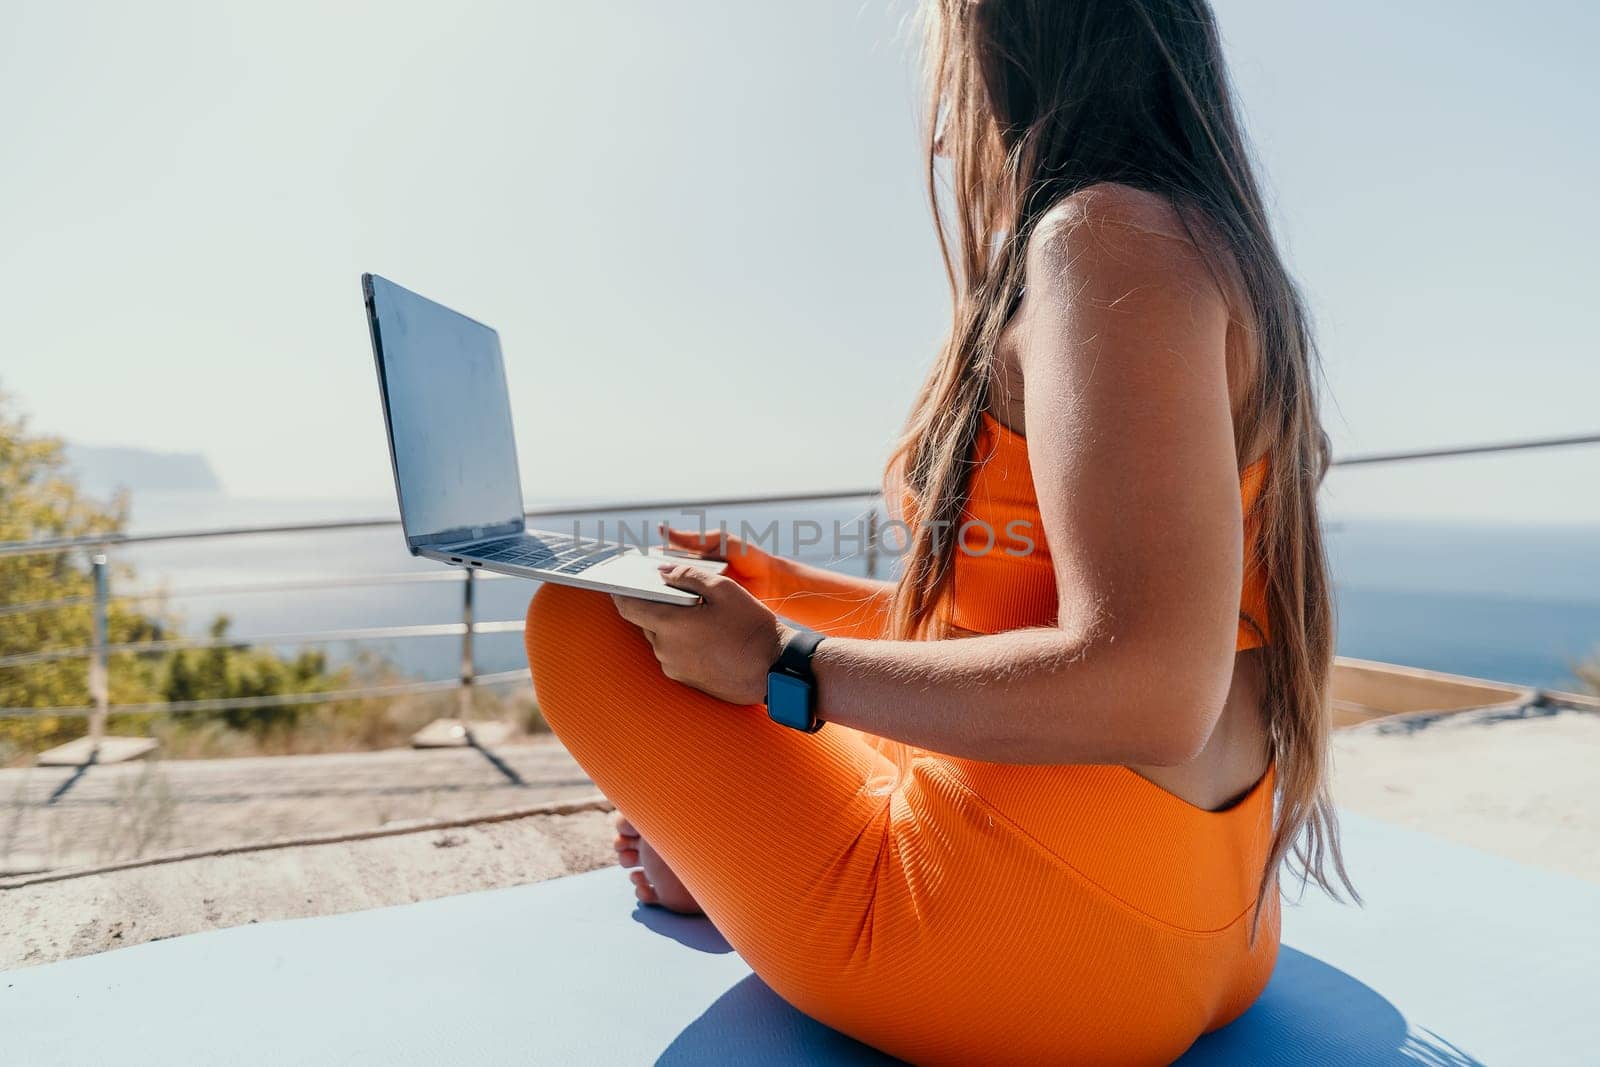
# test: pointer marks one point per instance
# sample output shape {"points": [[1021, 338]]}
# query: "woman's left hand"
{"points": [[722, 646]]}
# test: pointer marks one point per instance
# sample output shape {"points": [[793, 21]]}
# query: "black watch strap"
{"points": [[796, 656]]}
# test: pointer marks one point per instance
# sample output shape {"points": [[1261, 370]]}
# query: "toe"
{"points": [[627, 842], [642, 889]]}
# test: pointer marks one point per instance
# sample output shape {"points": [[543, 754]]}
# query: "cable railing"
{"points": [[578, 511], [237, 588], [280, 700], [1452, 452], [313, 637], [98, 652]]}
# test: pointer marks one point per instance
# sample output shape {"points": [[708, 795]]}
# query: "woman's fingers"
{"points": [[647, 615], [710, 544], [724, 646], [712, 588]]}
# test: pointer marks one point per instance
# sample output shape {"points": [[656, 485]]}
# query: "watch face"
{"points": [[789, 701]]}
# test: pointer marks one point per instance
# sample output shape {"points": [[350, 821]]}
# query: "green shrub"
{"points": [[40, 499]]}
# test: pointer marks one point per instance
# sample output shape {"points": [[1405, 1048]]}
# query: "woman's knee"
{"points": [[562, 614], [579, 652], [565, 627]]}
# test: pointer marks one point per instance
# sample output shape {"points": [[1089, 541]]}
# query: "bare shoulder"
{"points": [[1117, 228], [1113, 204], [1114, 243], [1114, 264]]}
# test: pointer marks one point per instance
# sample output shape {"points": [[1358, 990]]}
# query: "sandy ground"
{"points": [[79, 916], [54, 817], [1522, 786]]}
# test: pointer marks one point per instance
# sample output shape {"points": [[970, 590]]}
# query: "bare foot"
{"points": [[653, 880]]}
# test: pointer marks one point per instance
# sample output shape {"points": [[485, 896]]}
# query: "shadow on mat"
{"points": [[752, 1024], [692, 932], [1309, 1013], [1315, 1013]]}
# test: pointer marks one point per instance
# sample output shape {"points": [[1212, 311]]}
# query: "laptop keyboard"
{"points": [[551, 552]]}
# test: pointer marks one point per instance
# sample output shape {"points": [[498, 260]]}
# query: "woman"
{"points": [[1054, 839]]}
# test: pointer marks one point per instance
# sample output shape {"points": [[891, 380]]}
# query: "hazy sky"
{"points": [[710, 214]]}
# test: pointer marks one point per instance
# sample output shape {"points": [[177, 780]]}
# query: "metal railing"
{"points": [[98, 653]]}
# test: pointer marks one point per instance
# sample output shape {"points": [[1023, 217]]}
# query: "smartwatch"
{"points": [[792, 688]]}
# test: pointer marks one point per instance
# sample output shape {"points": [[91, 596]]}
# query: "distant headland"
{"points": [[102, 471]]}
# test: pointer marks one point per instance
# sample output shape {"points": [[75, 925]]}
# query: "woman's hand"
{"points": [[722, 646], [751, 566]]}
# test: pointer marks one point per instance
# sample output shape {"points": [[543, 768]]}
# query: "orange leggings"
{"points": [[940, 909]]}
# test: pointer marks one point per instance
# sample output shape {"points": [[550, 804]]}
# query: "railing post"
{"points": [[469, 667], [96, 747], [459, 731], [872, 543], [99, 676]]}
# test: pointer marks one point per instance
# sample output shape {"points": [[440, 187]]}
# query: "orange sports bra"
{"points": [[1017, 582]]}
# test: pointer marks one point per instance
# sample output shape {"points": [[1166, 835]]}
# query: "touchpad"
{"points": [[660, 555]]}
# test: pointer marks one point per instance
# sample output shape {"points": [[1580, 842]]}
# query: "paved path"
{"points": [[77, 916], [53, 817]]}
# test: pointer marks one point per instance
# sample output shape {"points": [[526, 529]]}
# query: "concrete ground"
{"points": [[183, 846], [1525, 785], [56, 817], [78, 916], [297, 836]]}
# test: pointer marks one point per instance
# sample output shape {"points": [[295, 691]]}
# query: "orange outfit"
{"points": [[944, 910], [1000, 590]]}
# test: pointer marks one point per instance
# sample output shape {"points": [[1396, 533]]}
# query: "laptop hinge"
{"points": [[444, 540]]}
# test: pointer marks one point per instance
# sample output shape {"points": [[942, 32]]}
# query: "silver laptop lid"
{"points": [[448, 415]]}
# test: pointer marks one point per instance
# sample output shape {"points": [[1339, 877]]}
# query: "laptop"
{"points": [[448, 415]]}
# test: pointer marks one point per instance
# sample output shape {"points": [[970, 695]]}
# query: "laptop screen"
{"points": [[449, 416]]}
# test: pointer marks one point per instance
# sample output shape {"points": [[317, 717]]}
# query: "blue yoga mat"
{"points": [[1458, 958]]}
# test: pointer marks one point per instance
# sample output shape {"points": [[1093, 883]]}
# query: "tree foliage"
{"points": [[40, 499]]}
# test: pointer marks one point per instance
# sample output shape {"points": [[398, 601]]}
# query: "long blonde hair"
{"points": [[1034, 100]]}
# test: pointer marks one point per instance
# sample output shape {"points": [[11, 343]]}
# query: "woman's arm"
{"points": [[1123, 348], [839, 605]]}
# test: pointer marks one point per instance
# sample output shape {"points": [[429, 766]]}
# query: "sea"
{"points": [[1513, 601]]}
